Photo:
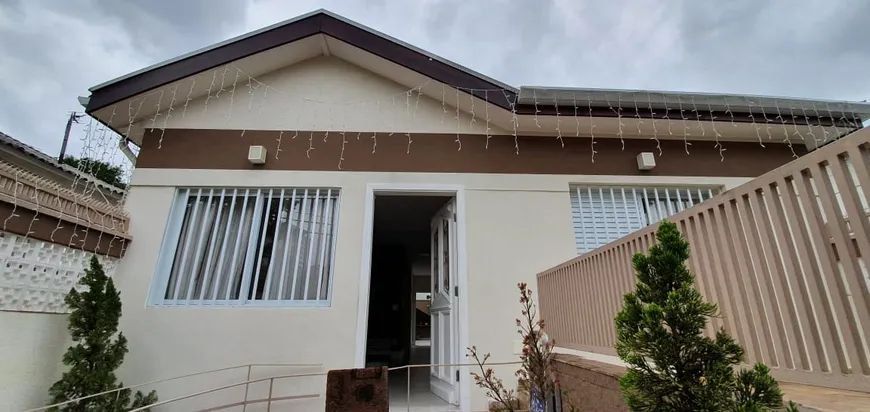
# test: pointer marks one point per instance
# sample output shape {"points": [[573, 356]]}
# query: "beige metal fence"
{"points": [[26, 190], [782, 255]]}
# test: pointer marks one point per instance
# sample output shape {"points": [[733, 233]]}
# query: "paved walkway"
{"points": [[826, 399]]}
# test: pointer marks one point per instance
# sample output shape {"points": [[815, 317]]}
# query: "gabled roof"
{"points": [[317, 22], [525, 101]]}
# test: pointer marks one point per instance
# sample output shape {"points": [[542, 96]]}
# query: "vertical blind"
{"points": [[602, 214], [242, 245]]}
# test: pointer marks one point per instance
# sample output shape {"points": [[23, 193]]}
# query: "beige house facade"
{"points": [[287, 180]]}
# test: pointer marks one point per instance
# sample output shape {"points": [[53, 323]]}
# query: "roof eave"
{"points": [[206, 49], [671, 99]]}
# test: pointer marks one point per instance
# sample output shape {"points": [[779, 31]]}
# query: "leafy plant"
{"points": [[537, 371], [672, 366], [98, 349], [756, 390]]}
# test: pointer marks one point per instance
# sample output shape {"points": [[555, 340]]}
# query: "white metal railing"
{"points": [[272, 396], [408, 368], [244, 402], [118, 390]]}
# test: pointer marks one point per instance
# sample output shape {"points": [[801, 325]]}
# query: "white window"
{"points": [[603, 214], [248, 246]]}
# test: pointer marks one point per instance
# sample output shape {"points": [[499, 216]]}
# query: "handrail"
{"points": [[423, 365], [207, 391], [272, 379], [409, 367], [248, 382], [269, 400], [250, 365]]}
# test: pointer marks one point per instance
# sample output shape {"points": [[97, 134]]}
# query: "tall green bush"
{"points": [[672, 366], [98, 349]]}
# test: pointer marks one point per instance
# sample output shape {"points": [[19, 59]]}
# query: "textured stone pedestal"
{"points": [[357, 390], [589, 385]]}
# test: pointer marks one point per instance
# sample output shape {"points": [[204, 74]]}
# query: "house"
{"points": [[52, 218], [294, 183]]}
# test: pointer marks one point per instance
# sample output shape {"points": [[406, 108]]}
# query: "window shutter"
{"points": [[602, 214]]}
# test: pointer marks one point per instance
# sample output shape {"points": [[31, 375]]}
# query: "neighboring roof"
{"points": [[29, 150], [522, 100], [35, 153]]}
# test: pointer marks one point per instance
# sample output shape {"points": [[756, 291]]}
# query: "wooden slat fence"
{"points": [[782, 255]]}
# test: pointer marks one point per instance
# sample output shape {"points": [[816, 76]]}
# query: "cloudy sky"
{"points": [[52, 51]]}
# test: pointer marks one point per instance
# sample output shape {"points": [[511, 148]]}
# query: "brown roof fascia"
{"points": [[298, 30], [418, 62], [198, 63]]}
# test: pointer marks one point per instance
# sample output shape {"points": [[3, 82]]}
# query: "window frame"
{"points": [[173, 230]]}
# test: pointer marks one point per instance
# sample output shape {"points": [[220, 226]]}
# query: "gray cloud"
{"points": [[53, 50], [806, 48], [167, 28]]}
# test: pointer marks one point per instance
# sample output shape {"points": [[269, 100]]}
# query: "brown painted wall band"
{"points": [[440, 153]]}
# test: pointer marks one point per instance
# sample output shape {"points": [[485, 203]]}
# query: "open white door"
{"points": [[444, 380]]}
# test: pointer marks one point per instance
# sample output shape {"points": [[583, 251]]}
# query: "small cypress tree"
{"points": [[96, 352], [672, 366]]}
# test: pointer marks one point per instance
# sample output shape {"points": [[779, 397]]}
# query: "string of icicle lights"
{"points": [[396, 114], [238, 94]]}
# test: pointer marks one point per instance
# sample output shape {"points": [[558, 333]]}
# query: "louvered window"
{"points": [[248, 246], [602, 214]]}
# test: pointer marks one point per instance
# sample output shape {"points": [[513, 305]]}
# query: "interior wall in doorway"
{"points": [[422, 286]]}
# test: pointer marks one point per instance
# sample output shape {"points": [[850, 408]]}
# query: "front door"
{"points": [[444, 380]]}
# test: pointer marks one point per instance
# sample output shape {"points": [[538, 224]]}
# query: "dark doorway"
{"points": [[400, 279]]}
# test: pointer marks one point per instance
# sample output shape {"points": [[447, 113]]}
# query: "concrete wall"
{"points": [[31, 348], [34, 278], [588, 385]]}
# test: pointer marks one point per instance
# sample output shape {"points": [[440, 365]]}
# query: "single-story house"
{"points": [[295, 183]]}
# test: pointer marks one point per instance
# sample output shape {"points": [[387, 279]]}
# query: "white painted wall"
{"points": [[31, 348], [34, 278], [517, 226], [325, 93]]}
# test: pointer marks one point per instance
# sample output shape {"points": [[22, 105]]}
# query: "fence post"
{"points": [[247, 385], [269, 402]]}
